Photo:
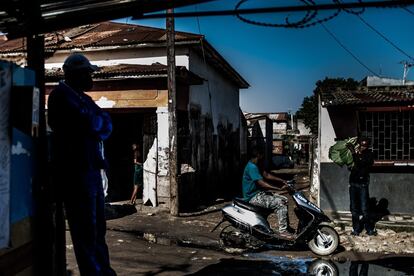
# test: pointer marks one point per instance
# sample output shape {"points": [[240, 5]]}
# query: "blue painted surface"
{"points": [[23, 76], [21, 198]]}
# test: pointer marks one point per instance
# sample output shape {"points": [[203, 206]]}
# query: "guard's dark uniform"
{"points": [[79, 127]]}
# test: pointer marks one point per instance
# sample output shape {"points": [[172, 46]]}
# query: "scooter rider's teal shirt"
{"points": [[250, 176]]}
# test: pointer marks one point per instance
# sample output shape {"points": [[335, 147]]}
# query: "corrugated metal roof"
{"points": [[381, 95], [99, 35], [280, 116], [131, 71], [107, 34]]}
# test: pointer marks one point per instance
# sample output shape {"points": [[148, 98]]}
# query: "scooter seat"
{"points": [[254, 208]]}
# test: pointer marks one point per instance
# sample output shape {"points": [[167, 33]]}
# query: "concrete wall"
{"points": [[396, 187]]}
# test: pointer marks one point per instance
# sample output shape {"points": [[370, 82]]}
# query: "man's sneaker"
{"points": [[355, 233], [287, 236], [372, 232]]}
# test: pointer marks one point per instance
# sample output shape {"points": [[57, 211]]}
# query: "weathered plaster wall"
{"points": [[218, 96], [213, 150], [163, 181]]}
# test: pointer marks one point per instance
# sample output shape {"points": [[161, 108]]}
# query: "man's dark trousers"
{"points": [[359, 197], [84, 205]]}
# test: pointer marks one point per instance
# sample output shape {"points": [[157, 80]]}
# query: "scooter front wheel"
{"points": [[325, 241], [323, 267]]}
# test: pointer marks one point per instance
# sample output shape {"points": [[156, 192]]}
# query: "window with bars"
{"points": [[391, 134]]}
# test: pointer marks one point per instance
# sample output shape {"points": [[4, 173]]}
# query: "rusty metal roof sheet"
{"points": [[111, 34], [371, 96], [99, 35], [277, 117], [122, 71]]}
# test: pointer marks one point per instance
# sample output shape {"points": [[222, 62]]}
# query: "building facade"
{"points": [[133, 88], [384, 114]]}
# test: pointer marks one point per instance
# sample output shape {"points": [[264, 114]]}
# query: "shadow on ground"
{"points": [[119, 211]]}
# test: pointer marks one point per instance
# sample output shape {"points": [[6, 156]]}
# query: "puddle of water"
{"points": [[262, 264]]}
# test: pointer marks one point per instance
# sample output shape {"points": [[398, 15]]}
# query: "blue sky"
{"points": [[282, 65]]}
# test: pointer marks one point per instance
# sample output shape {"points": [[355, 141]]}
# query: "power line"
{"points": [[299, 8], [384, 37], [347, 50]]}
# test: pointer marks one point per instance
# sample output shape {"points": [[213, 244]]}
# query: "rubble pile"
{"points": [[387, 241]]}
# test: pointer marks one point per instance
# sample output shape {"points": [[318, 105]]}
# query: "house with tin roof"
{"points": [[383, 111], [132, 87]]}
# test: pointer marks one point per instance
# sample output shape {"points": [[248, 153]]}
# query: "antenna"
{"points": [[407, 65]]}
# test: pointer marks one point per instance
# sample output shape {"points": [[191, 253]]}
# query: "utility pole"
{"points": [[172, 115], [407, 66]]}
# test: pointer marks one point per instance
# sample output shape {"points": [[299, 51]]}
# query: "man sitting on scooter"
{"points": [[258, 192]]}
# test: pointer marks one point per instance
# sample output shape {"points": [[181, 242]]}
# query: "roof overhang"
{"points": [[374, 96]]}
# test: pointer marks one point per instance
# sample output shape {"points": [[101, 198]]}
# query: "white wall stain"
{"points": [[19, 149], [150, 178], [103, 102]]}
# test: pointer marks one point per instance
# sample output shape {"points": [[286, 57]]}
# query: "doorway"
{"points": [[128, 128]]}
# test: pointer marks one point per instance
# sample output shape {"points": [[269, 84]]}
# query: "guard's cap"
{"points": [[76, 62]]}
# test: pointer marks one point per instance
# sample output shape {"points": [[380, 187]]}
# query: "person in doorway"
{"points": [[259, 192], [359, 187], [138, 172], [78, 128]]}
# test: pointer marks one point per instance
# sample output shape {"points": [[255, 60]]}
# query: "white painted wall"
{"points": [[325, 141], [180, 61], [224, 105], [327, 136], [107, 57], [163, 179]]}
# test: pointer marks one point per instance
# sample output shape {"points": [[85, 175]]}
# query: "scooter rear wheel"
{"points": [[232, 237], [325, 241]]}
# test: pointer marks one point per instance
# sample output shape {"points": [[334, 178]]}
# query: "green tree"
{"points": [[309, 108], [309, 113]]}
